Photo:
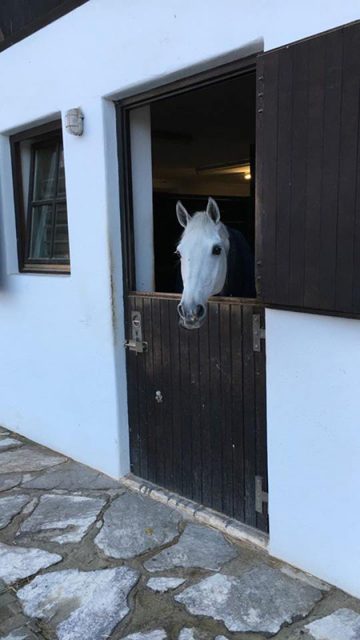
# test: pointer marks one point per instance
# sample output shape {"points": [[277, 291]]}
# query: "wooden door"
{"points": [[308, 176], [197, 404]]}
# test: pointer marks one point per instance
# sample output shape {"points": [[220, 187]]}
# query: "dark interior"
{"points": [[203, 144]]}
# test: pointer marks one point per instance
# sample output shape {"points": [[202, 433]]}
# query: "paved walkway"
{"points": [[83, 558]]}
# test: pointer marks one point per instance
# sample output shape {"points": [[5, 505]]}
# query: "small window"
{"points": [[40, 198]]}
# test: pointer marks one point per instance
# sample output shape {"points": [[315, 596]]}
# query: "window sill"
{"points": [[53, 269]]}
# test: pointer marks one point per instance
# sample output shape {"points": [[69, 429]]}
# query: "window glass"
{"points": [[45, 172], [61, 175], [40, 237], [61, 239]]}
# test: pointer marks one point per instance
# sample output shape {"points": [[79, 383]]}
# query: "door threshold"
{"points": [[197, 512]]}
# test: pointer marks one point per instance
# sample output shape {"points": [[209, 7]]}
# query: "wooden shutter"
{"points": [[308, 173]]}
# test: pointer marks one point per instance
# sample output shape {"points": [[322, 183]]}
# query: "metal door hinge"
{"points": [[260, 495], [136, 343], [258, 332]]}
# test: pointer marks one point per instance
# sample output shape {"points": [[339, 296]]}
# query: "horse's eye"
{"points": [[216, 250], [178, 254]]}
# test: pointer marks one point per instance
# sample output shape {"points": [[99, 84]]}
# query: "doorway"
{"points": [[196, 398]]}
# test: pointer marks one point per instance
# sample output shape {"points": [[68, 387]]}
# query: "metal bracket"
{"points": [[136, 343], [260, 495], [258, 332]]}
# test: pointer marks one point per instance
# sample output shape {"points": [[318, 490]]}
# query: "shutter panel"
{"points": [[308, 173]]}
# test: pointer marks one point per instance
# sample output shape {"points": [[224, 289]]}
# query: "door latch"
{"points": [[258, 332], [261, 496], [136, 343]]}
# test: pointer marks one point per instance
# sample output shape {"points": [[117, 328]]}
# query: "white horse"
{"points": [[203, 249]]}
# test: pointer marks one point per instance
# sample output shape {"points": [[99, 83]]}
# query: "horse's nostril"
{"points": [[200, 311], [181, 311]]}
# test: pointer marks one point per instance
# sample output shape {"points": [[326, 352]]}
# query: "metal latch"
{"points": [[258, 332], [260, 495], [136, 343]]}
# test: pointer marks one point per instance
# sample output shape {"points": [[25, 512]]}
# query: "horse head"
{"points": [[203, 250]]}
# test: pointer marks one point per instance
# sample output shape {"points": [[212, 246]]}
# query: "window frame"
{"points": [[23, 203]]}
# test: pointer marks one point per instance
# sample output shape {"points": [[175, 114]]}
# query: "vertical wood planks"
{"points": [[314, 155], [206, 440], [309, 162]]}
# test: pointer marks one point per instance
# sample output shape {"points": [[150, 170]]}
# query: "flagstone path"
{"points": [[84, 558]]}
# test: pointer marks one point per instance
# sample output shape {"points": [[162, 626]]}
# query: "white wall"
{"points": [[313, 399], [62, 373]]}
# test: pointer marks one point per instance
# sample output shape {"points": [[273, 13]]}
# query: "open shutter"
{"points": [[308, 173]]}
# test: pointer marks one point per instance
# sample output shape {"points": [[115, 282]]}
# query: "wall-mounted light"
{"points": [[74, 121], [241, 168]]}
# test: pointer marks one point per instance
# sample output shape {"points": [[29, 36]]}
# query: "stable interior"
{"points": [[202, 144]]}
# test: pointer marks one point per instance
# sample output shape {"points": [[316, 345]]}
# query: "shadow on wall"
{"points": [[3, 280]]}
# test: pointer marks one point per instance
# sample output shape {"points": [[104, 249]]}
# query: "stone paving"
{"points": [[84, 558]]}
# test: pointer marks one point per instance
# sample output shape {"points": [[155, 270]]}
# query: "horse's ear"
{"points": [[182, 214], [213, 211]]}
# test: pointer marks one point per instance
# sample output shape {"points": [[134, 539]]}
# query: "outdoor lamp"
{"points": [[74, 121]]}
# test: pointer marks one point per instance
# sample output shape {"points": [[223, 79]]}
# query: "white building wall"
{"points": [[62, 373], [313, 405]]}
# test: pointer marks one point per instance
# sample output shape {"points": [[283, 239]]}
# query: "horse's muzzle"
{"points": [[191, 318]]}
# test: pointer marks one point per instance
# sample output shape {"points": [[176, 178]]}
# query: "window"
{"points": [[40, 199]]}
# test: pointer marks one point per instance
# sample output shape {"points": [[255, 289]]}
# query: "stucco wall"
{"points": [[62, 374], [313, 365]]}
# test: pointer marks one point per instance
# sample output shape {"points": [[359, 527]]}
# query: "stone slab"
{"points": [[72, 476], [9, 481], [190, 633], [17, 563], [19, 634], [157, 634], [343, 624], [199, 547], [305, 577], [96, 600], [55, 513], [28, 458], [161, 585], [10, 506], [134, 524], [260, 600], [6, 443]]}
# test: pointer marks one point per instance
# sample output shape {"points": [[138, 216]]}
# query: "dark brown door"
{"points": [[197, 404], [308, 173]]}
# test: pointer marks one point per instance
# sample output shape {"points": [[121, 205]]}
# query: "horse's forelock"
{"points": [[201, 220]]}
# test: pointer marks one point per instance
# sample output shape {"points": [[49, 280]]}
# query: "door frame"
{"points": [[214, 75]]}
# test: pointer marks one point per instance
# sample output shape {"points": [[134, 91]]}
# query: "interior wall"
{"points": [[142, 201]]}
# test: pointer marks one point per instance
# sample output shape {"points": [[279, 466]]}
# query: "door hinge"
{"points": [[260, 495], [258, 332], [136, 343]]}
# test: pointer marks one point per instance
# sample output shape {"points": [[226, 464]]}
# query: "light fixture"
{"points": [[241, 168], [74, 121]]}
